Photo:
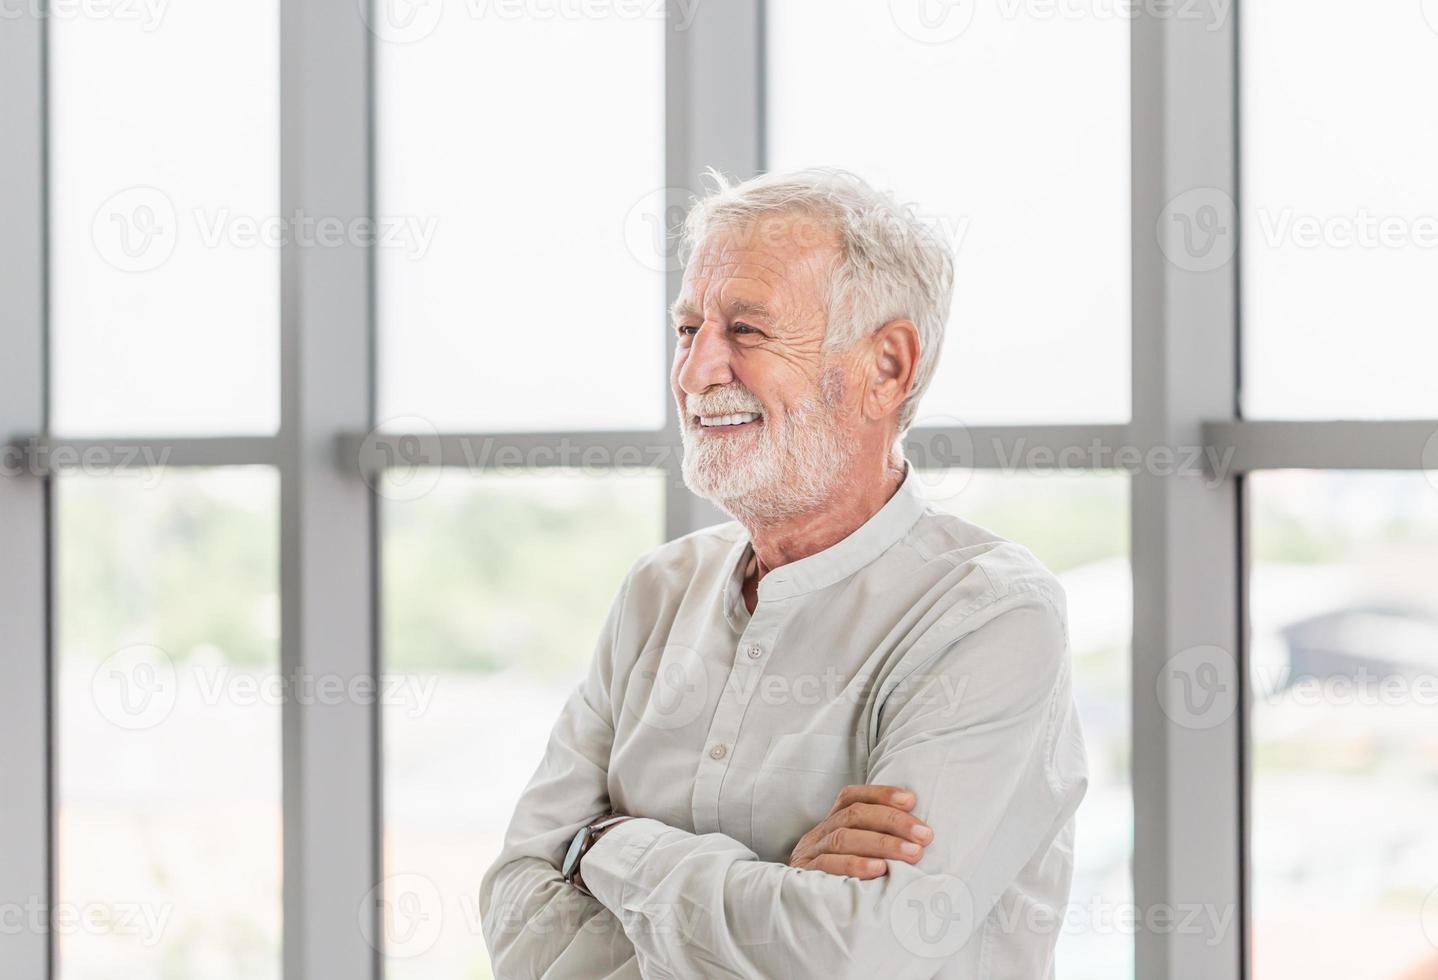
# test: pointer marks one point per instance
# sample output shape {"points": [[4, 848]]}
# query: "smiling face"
{"points": [[763, 407]]}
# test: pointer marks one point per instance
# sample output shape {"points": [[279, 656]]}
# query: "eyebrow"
{"points": [[683, 310]]}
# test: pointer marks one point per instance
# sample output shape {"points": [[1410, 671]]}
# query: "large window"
{"points": [[333, 408], [1340, 248], [1340, 198], [1077, 525], [165, 219], [1008, 129], [164, 311], [476, 573], [532, 253], [1028, 186], [168, 725], [1344, 659], [515, 156]]}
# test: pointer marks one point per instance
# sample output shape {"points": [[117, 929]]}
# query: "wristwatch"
{"points": [[581, 844]]}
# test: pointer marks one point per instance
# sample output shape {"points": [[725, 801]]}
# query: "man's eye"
{"points": [[744, 328], [688, 330]]}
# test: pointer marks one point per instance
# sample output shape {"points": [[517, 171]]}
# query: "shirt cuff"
{"points": [[608, 866]]}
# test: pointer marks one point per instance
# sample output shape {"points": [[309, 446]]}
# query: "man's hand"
{"points": [[867, 824]]}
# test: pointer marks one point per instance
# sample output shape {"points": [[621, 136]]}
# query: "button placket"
{"points": [[723, 732]]}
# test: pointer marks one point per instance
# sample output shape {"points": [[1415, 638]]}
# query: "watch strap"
{"points": [[586, 838]]}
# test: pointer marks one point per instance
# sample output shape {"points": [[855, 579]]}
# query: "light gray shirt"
{"points": [[920, 651]]}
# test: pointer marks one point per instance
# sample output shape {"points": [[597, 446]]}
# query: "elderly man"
{"points": [[834, 737]]}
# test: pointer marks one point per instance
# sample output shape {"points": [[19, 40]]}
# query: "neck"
{"points": [[861, 490]]}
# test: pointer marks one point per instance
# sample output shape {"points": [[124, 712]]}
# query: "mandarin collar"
{"points": [[838, 561]]}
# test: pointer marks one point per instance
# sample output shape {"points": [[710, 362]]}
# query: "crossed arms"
{"points": [[997, 779]]}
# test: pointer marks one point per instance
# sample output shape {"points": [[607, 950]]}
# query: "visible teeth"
{"points": [[739, 419]]}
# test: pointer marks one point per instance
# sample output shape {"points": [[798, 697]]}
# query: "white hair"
{"points": [[891, 265]]}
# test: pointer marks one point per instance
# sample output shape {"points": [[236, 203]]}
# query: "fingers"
{"points": [[884, 820], [869, 826], [868, 843], [847, 864], [876, 793]]}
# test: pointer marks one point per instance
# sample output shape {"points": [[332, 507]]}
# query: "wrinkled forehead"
{"points": [[781, 262]]}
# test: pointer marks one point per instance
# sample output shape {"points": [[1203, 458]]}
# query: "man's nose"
{"points": [[706, 363]]}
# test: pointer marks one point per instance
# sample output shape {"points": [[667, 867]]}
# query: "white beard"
{"points": [[769, 474]]}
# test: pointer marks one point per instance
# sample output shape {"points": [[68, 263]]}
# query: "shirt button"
{"points": [[718, 752], [755, 652]]}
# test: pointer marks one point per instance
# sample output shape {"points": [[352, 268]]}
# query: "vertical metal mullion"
{"points": [[677, 79], [1187, 776], [713, 117], [26, 700], [1243, 501], [327, 511], [1243, 496], [1147, 765], [375, 517]]}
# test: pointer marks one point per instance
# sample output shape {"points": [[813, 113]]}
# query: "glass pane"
{"points": [[168, 728], [164, 197], [1344, 607], [1007, 126], [1340, 209], [495, 587], [1077, 525], [520, 150]]}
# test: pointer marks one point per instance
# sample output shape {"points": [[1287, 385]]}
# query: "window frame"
{"points": [[1187, 531]]}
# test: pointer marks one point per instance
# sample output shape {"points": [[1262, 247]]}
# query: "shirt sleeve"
{"points": [[535, 923], [985, 735]]}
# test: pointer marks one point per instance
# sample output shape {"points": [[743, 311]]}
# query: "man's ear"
{"points": [[893, 359]]}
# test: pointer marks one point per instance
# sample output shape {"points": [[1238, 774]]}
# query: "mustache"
{"points": [[723, 402]]}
